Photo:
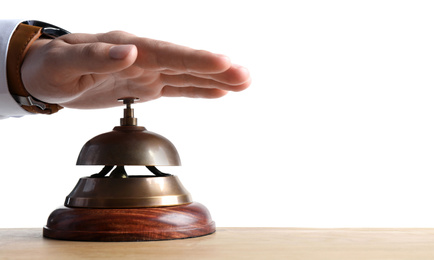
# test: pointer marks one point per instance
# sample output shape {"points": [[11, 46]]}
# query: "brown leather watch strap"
{"points": [[19, 45]]}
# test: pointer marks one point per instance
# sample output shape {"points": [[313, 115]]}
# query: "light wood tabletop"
{"points": [[234, 243]]}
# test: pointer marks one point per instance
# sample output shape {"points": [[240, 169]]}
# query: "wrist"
{"points": [[24, 38]]}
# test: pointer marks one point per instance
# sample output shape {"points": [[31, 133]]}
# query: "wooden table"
{"points": [[234, 243]]}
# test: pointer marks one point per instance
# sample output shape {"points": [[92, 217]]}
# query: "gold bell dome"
{"points": [[129, 144]]}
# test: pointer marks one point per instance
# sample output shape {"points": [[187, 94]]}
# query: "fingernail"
{"points": [[119, 52], [224, 57], [239, 67]]}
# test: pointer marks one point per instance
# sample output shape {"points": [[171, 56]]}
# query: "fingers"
{"points": [[159, 55], [235, 75], [186, 80], [169, 58], [192, 92], [200, 86]]}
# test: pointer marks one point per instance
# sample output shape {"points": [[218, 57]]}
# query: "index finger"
{"points": [[159, 55]]}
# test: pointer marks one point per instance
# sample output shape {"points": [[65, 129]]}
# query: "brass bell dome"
{"points": [[129, 144]]}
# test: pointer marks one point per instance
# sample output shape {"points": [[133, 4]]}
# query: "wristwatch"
{"points": [[27, 33]]}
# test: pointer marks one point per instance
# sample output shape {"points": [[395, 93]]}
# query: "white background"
{"points": [[337, 129]]}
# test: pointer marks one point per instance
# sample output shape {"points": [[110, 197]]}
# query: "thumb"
{"points": [[99, 57]]}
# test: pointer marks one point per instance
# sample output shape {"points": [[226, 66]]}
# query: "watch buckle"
{"points": [[29, 101]]}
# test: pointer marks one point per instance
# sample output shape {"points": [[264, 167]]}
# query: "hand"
{"points": [[94, 70]]}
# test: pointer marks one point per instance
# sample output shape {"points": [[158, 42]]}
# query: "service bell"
{"points": [[113, 206]]}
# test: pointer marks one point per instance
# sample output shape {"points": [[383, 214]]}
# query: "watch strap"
{"points": [[20, 42]]}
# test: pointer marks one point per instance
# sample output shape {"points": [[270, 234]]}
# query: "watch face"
{"points": [[49, 30]]}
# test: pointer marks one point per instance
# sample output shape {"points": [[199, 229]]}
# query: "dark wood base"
{"points": [[138, 224]]}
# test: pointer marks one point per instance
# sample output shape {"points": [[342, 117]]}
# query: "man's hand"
{"points": [[94, 70]]}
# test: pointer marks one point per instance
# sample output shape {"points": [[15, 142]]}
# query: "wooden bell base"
{"points": [[136, 224]]}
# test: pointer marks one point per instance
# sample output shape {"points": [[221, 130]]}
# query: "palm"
{"points": [[107, 88]]}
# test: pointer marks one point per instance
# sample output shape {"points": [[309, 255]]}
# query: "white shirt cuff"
{"points": [[8, 106]]}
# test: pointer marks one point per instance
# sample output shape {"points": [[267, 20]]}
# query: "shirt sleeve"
{"points": [[8, 106]]}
